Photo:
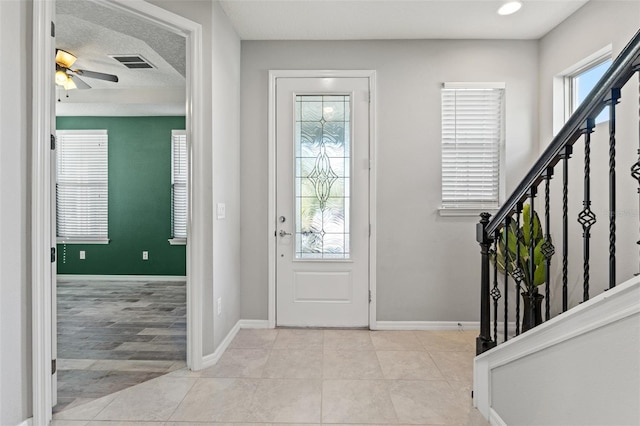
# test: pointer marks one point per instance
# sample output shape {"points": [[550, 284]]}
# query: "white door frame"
{"points": [[271, 229], [43, 64]]}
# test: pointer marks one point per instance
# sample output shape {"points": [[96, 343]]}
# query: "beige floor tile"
{"points": [[86, 411], [347, 340], [216, 400], [185, 372], [69, 423], [427, 402], [239, 363], [396, 341], [299, 339], [446, 341], [408, 365], [287, 401], [344, 364], [454, 365], [154, 400], [254, 339], [357, 401], [294, 364]]}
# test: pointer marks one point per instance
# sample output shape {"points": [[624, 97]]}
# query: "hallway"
{"points": [[307, 376]]}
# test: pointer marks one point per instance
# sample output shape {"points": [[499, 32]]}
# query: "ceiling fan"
{"points": [[70, 78]]}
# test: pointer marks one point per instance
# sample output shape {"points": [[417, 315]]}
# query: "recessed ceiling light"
{"points": [[510, 7]]}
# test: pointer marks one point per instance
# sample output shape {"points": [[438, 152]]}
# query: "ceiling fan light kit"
{"points": [[68, 78], [510, 7]]}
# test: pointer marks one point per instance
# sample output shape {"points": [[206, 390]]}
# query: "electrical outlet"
{"points": [[219, 305], [145, 255], [83, 255]]}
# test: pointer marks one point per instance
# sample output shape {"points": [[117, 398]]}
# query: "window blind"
{"points": [[82, 185], [179, 184], [472, 133]]}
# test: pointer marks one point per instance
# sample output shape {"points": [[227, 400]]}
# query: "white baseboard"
{"points": [[163, 278], [427, 325], [211, 359], [28, 422], [254, 324], [495, 419]]}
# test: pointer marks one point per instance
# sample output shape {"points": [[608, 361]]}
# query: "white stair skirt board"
{"points": [[426, 325], [619, 306], [74, 277]]}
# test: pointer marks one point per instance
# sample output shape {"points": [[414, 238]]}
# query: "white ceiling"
{"points": [[393, 19], [92, 32]]}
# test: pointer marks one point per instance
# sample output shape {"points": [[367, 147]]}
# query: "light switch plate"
{"points": [[221, 211]]}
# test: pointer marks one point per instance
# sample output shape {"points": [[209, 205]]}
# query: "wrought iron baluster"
{"points": [[568, 150], [495, 291], [635, 169], [507, 223], [586, 217], [518, 274], [532, 264], [483, 341], [547, 248], [615, 98]]}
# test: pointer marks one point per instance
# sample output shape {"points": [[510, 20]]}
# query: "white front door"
{"points": [[322, 202]]}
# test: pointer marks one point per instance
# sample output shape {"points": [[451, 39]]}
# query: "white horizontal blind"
{"points": [[82, 185], [472, 133], [179, 184]]}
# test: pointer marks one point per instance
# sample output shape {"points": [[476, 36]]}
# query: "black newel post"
{"points": [[484, 342]]}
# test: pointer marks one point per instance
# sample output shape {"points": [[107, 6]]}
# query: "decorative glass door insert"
{"points": [[322, 176]]}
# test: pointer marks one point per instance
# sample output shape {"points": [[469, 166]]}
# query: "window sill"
{"points": [[465, 211], [178, 241], [82, 240]]}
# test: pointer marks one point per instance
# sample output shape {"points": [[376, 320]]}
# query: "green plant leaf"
{"points": [[538, 257], [526, 223], [540, 275]]}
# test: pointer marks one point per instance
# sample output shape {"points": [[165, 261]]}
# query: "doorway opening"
{"points": [[44, 269]]}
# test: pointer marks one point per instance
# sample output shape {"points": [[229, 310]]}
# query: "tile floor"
{"points": [[307, 376], [116, 334]]}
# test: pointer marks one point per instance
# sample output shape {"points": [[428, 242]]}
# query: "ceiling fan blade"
{"points": [[97, 75], [79, 83]]}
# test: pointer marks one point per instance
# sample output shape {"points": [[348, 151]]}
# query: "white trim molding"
{"points": [[154, 278], [41, 208], [211, 359], [427, 325], [273, 76]]}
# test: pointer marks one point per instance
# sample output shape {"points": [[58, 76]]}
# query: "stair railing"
{"points": [[492, 232]]}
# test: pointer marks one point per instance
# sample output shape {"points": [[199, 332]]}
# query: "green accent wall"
{"points": [[139, 200]]}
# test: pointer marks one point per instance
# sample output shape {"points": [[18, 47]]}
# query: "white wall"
{"points": [[218, 163], [226, 173], [15, 247], [427, 265], [594, 26]]}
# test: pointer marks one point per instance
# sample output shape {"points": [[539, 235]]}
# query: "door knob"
{"points": [[282, 233]]}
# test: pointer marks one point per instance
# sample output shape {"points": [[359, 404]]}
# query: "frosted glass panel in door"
{"points": [[322, 176]]}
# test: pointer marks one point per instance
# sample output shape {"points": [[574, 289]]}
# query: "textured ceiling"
{"points": [[393, 19], [93, 32]]}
